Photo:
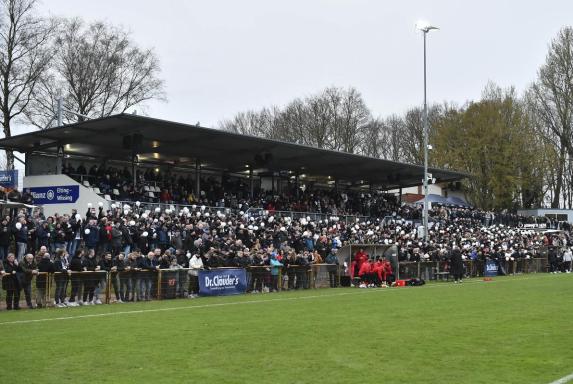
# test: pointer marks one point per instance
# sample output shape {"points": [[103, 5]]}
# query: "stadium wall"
{"points": [[55, 196]]}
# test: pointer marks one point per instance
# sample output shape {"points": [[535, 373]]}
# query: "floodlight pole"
{"points": [[425, 29], [425, 215]]}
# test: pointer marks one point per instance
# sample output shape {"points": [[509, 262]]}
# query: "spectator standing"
{"points": [[567, 259], [11, 282], [29, 270], [21, 236], [4, 237], [45, 268], [196, 264], [456, 264]]}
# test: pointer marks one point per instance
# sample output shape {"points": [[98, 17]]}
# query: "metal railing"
{"points": [[439, 270], [49, 290], [72, 288]]}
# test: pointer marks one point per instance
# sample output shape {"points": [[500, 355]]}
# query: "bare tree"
{"points": [[332, 119], [551, 97], [99, 70], [24, 58]]}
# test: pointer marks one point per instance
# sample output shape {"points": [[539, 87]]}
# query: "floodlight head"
{"points": [[425, 26]]}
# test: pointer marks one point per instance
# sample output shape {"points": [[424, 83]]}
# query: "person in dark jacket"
{"points": [[147, 265], [11, 282], [456, 265], [132, 270], [120, 266], [108, 264], [61, 276], [116, 239], [91, 235], [29, 270], [45, 268], [21, 235], [4, 237], [76, 266], [43, 234], [90, 280], [332, 267], [183, 281]]}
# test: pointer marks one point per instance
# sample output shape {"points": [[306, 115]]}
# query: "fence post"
{"points": [[107, 288], [159, 285], [419, 276], [49, 278]]}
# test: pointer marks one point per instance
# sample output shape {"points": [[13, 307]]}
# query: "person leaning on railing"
{"points": [[108, 265], [90, 280], [61, 275], [131, 272], [75, 267], [148, 265], [45, 268]]}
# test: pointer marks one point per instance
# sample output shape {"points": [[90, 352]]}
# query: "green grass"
{"points": [[511, 330]]}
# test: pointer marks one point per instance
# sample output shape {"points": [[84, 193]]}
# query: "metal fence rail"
{"points": [[439, 270], [49, 290]]}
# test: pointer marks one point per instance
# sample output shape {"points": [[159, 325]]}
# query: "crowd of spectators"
{"points": [[166, 238], [229, 192]]}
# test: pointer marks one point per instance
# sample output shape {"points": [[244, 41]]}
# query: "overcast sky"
{"points": [[222, 57]]}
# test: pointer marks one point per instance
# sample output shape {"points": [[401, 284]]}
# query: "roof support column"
{"points": [[251, 184], [400, 196], [60, 159], [134, 170], [197, 179], [296, 184]]}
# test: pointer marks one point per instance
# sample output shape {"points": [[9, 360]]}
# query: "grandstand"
{"points": [[141, 148]]}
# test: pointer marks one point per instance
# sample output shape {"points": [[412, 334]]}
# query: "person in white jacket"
{"points": [[195, 265], [567, 259]]}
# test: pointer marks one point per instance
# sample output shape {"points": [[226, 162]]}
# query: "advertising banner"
{"points": [[491, 268], [218, 282], [9, 179], [55, 195]]}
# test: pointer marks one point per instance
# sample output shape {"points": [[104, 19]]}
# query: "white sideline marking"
{"points": [[361, 291], [563, 380], [180, 308]]}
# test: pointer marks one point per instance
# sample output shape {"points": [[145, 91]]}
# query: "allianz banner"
{"points": [[9, 179], [217, 282], [491, 268], [55, 195]]}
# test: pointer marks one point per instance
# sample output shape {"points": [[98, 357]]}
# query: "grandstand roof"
{"points": [[167, 142]]}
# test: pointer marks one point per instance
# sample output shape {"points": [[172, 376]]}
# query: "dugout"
{"points": [[346, 254]]}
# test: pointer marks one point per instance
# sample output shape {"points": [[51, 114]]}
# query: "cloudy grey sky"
{"points": [[222, 57]]}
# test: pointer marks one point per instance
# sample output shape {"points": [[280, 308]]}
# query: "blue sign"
{"points": [[219, 282], [491, 268], [9, 179], [55, 195]]}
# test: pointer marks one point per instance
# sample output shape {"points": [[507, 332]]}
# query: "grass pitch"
{"points": [[510, 330]]}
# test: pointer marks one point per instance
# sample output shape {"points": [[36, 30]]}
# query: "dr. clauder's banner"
{"points": [[491, 268], [219, 282], [55, 195], [9, 179]]}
